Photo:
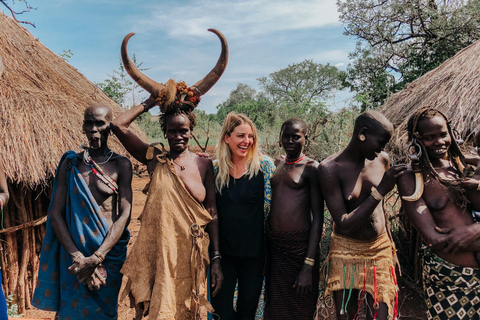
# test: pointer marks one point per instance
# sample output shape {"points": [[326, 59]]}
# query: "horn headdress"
{"points": [[178, 94]]}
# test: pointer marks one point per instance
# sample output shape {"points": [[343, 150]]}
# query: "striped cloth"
{"points": [[286, 252]]}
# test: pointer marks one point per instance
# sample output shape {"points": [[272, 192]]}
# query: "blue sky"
{"points": [[173, 42]]}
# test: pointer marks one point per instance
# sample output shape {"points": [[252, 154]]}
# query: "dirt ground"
{"points": [[411, 302]]}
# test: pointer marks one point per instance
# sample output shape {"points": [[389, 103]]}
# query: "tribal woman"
{"points": [[167, 266], [436, 196]]}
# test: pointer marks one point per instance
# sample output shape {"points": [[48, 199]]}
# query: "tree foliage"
{"points": [[300, 90], [120, 88], [400, 40]]}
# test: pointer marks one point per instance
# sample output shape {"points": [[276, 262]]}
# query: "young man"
{"points": [[85, 244], [294, 229], [362, 254]]}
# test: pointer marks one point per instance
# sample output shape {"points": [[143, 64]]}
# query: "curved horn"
{"points": [[141, 79], [212, 77], [1, 66], [418, 188]]}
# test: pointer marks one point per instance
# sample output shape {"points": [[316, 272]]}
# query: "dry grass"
{"points": [[453, 88], [42, 99]]}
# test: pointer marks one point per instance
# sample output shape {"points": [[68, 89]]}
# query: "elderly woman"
{"points": [[436, 196], [243, 193], [167, 266]]}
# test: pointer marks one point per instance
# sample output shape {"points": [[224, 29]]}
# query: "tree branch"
{"points": [[14, 13]]}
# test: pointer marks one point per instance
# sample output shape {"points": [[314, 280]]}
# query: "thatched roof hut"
{"points": [[453, 88], [42, 100]]}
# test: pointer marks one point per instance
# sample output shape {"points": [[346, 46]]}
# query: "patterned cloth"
{"points": [[57, 290], [166, 268], [268, 169], [286, 252], [451, 291], [354, 258]]}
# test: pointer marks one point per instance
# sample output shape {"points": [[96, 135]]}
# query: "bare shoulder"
{"points": [[278, 160], [384, 158], [406, 181], [123, 165], [204, 163], [328, 166], [311, 164]]}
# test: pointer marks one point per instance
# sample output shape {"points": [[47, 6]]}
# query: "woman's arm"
{"points": [[119, 126], [303, 284], [212, 228]]}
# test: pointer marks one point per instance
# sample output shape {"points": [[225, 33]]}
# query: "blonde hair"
{"points": [[224, 154]]}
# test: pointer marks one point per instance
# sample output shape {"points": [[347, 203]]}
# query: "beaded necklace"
{"points": [[295, 160], [99, 172]]}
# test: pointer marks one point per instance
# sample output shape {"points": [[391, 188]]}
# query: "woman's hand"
{"points": [[216, 276], [303, 284], [390, 178], [470, 183], [459, 238]]}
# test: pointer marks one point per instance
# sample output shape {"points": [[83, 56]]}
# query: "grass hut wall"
{"points": [[42, 99], [454, 89]]}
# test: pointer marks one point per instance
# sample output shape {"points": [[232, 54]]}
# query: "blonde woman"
{"points": [[243, 193]]}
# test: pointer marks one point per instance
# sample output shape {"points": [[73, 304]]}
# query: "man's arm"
{"points": [[303, 283], [349, 222], [57, 215], [212, 228]]}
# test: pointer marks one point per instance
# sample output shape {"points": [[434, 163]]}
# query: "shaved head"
{"points": [[98, 107], [373, 120]]}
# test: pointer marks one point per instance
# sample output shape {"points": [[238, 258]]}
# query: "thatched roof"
{"points": [[453, 88], [42, 99]]}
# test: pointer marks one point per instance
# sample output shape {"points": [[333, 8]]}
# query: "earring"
{"points": [[362, 137], [279, 144], [83, 131]]}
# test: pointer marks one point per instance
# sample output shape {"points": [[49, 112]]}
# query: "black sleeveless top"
{"points": [[240, 217]]}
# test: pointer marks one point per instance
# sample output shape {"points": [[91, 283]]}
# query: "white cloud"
{"points": [[239, 18]]}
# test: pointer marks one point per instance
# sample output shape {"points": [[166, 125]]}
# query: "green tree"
{"points": [[400, 40], [244, 99], [120, 88]]}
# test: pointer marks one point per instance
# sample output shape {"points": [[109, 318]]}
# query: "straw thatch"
{"points": [[42, 99], [453, 88]]}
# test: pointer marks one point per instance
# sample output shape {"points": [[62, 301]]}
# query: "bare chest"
{"points": [[289, 177], [357, 184]]}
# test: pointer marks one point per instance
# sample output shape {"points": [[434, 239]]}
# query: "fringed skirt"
{"points": [[367, 266]]}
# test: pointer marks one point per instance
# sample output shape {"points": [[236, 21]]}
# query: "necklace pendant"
{"points": [[182, 168]]}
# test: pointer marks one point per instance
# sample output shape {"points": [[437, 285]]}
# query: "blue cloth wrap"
{"points": [[56, 289]]}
